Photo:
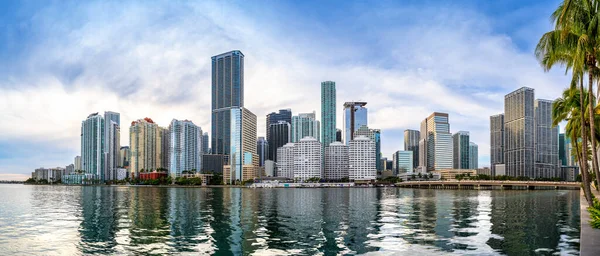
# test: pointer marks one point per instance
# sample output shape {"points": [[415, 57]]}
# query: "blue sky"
{"points": [[61, 60]]}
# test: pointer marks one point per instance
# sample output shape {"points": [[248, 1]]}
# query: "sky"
{"points": [[62, 60]]}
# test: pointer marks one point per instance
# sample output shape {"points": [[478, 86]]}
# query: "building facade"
{"points": [[307, 159], [205, 143], [285, 163], [375, 136], [355, 116], [403, 162], [145, 143], [361, 159], [185, 147], [243, 159], [213, 163], [473, 156], [227, 92], [77, 163], [262, 149], [460, 151], [411, 143], [496, 141], [279, 135], [328, 113], [305, 125], [124, 156], [519, 133], [435, 144], [545, 141], [112, 144], [336, 161], [92, 146], [283, 115]]}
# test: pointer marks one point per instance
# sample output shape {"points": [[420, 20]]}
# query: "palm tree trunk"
{"points": [[591, 105], [583, 167]]}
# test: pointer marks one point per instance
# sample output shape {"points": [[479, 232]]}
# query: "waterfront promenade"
{"points": [[488, 184]]}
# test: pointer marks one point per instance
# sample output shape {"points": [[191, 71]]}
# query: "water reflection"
{"points": [[231, 221]]}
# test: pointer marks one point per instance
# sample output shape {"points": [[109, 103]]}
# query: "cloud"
{"points": [[154, 61]]}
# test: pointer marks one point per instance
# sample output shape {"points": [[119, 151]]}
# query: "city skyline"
{"points": [[77, 84]]}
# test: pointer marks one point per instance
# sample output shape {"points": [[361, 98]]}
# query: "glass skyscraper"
{"points": [[305, 124], [518, 133], [280, 134], [185, 147], [92, 146], [243, 145], [435, 146], [355, 116], [227, 93], [411, 143], [262, 148], [547, 164], [460, 152], [328, 114], [473, 156]]}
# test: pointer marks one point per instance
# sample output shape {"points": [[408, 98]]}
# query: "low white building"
{"points": [[307, 159], [285, 161], [336, 161], [362, 166]]}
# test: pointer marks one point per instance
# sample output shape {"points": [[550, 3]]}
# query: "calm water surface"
{"points": [[59, 220]]}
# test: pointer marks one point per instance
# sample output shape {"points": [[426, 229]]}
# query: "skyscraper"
{"points": [[145, 142], [243, 159], [473, 156], [496, 141], [185, 147], [355, 116], [375, 136], [279, 135], [411, 143], [435, 145], [227, 92], [519, 132], [262, 149], [92, 146], [336, 161], [328, 114], [112, 145], [307, 159], [338, 135], [285, 164], [124, 155], [460, 151], [402, 162], [545, 141], [205, 143], [562, 149], [305, 124], [77, 163], [361, 159]]}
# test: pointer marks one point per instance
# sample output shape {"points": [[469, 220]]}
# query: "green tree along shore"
{"points": [[575, 45]]}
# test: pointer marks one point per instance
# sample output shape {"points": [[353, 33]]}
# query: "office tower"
{"points": [[562, 156], [389, 165], [77, 163], [361, 159], [305, 125], [243, 159], [92, 146], [336, 161], [274, 118], [518, 133], [213, 164], [355, 116], [124, 155], [473, 156], [205, 143], [460, 151], [185, 147], [307, 159], [112, 122], [262, 149], [545, 138], [279, 135], [338, 135], [227, 92], [411, 143], [403, 162], [435, 145], [285, 163], [328, 113], [375, 136], [496, 141], [145, 143], [113, 140]]}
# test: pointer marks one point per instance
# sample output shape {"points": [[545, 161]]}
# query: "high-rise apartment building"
{"points": [[546, 159], [435, 145], [145, 143], [361, 159], [112, 123], [305, 125], [374, 135], [124, 156], [496, 141], [307, 159], [473, 156], [328, 113], [279, 135], [185, 147], [262, 149], [92, 146], [402, 162], [519, 133], [285, 164], [355, 116], [411, 143], [336, 161], [243, 159], [165, 142], [77, 163], [460, 151], [227, 92]]}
